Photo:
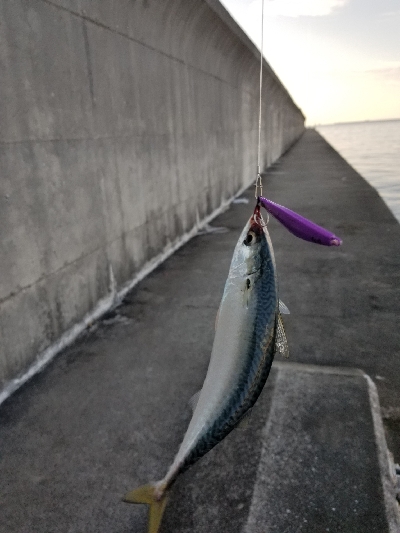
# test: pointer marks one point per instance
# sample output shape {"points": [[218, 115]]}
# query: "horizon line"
{"points": [[357, 122]]}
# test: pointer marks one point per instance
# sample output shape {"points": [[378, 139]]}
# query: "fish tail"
{"points": [[156, 497]]}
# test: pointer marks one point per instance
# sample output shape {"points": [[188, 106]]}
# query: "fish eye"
{"points": [[250, 238]]}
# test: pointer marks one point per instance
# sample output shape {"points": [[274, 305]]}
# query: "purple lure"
{"points": [[300, 226]]}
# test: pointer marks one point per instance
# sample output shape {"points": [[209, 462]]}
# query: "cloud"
{"points": [[388, 74], [303, 8]]}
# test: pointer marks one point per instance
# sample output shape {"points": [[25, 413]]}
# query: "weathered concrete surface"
{"points": [[318, 469], [122, 125], [108, 414]]}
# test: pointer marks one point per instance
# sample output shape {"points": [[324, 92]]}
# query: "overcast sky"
{"points": [[339, 59]]}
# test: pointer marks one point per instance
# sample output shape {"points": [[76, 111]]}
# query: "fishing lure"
{"points": [[249, 331], [300, 226]]}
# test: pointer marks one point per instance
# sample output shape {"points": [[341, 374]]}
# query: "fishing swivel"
{"points": [[258, 185]]}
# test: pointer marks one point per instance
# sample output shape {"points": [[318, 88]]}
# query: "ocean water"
{"points": [[373, 149]]}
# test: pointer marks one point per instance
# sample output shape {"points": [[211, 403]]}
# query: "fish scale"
{"points": [[261, 359]]}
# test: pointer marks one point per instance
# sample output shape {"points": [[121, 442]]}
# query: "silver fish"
{"points": [[249, 331]]}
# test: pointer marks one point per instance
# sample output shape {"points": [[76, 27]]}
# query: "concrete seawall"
{"points": [[124, 124]]}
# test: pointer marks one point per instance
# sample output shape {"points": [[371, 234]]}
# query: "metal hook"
{"points": [[265, 223], [259, 220], [262, 222]]}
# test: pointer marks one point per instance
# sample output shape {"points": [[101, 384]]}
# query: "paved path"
{"points": [[109, 413], [345, 302]]}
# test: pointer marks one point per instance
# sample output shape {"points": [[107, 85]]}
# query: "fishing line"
{"points": [[258, 185]]}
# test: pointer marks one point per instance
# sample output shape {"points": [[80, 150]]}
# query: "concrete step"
{"points": [[318, 462], [324, 463]]}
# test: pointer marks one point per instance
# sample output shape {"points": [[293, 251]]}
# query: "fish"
{"points": [[249, 332], [300, 226]]}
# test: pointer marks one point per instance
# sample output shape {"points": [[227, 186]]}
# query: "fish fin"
{"points": [[217, 317], [153, 496], [281, 343], [194, 400], [283, 309], [245, 420]]}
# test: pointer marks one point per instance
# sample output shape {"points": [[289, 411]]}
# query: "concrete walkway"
{"points": [[109, 413]]}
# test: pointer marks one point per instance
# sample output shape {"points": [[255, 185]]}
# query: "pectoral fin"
{"points": [[217, 317], [281, 343], [194, 400], [283, 309]]}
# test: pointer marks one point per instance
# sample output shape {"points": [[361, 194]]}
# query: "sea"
{"points": [[373, 149]]}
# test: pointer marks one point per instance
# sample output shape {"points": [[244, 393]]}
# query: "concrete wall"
{"points": [[123, 123]]}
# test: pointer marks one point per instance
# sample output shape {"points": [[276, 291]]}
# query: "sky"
{"points": [[339, 59]]}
